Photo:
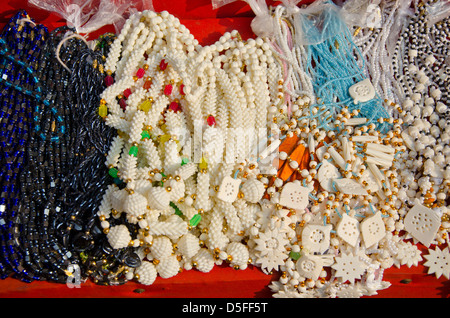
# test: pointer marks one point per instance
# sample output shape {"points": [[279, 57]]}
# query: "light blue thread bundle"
{"points": [[332, 65]]}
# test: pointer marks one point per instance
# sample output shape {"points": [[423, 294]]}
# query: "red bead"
{"points": [[163, 65], [211, 120], [175, 107], [140, 73], [182, 89], [123, 103], [147, 84], [168, 89], [127, 93], [109, 80]]}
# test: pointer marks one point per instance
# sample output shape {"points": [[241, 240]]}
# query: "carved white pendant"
{"points": [[309, 266], [348, 267], [373, 229], [349, 186], [326, 174], [294, 196], [228, 189], [362, 91], [337, 158], [438, 262], [177, 189], [422, 223], [348, 229], [162, 247], [376, 173], [316, 238]]}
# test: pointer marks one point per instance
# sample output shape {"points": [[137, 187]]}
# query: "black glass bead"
{"points": [[131, 259], [81, 242]]}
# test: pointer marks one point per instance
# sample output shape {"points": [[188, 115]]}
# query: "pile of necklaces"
{"points": [[317, 151]]}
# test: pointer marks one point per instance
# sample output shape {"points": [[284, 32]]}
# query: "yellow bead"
{"points": [[146, 105], [164, 138], [203, 165], [103, 110]]}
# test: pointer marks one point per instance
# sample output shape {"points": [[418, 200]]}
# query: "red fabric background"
{"points": [[206, 25]]}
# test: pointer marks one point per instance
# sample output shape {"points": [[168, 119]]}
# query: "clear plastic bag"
{"points": [[291, 6], [87, 16], [403, 14], [362, 13], [438, 11], [318, 22], [262, 25], [220, 3]]}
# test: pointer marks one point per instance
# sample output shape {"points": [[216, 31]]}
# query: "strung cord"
{"points": [[58, 48], [21, 21]]}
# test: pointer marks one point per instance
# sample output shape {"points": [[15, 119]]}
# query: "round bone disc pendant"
{"points": [[362, 91]]}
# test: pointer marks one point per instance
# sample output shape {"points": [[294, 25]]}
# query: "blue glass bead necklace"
{"points": [[332, 64], [18, 42]]}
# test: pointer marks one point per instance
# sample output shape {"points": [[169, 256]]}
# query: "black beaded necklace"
{"points": [[89, 179], [99, 262], [47, 163]]}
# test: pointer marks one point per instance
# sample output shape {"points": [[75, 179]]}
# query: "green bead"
{"points": [[161, 183], [133, 151], [145, 135], [184, 161], [118, 181], [294, 255], [83, 256], [113, 172], [177, 210], [195, 220]]}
